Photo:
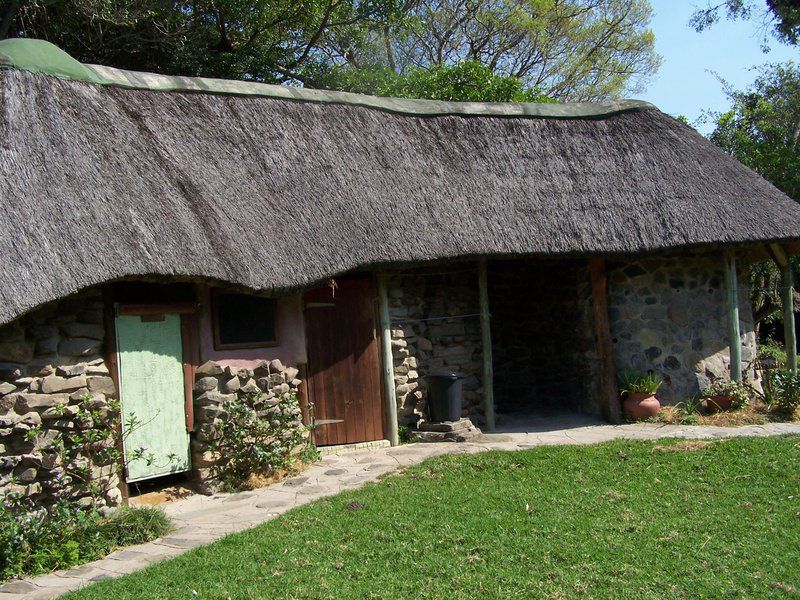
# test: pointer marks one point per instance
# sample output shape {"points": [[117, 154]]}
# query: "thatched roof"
{"points": [[100, 181]]}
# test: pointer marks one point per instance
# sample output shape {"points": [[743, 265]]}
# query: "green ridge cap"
{"points": [[39, 56]]}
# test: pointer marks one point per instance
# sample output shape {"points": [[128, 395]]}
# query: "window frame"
{"points": [[219, 345]]}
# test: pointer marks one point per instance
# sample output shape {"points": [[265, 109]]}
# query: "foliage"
{"points": [[782, 17], [762, 131], [615, 520], [738, 392], [256, 437], [469, 81], [771, 350], [40, 541], [564, 49], [633, 382], [782, 390]]}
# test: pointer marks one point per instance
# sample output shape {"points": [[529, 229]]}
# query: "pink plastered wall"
{"points": [[291, 348]]}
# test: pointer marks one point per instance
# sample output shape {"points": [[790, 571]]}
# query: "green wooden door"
{"points": [[152, 395]]}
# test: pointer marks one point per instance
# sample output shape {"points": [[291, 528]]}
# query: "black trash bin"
{"points": [[444, 396]]}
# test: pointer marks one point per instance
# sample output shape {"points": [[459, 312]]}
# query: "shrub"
{"points": [[632, 382], [782, 390], [39, 541], [257, 437], [772, 351]]}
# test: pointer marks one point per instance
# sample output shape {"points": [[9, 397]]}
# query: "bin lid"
{"points": [[445, 374]]}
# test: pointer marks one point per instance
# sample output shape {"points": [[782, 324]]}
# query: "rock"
{"points": [[100, 369], [54, 384], [102, 385], [205, 384], [232, 385], [26, 475], [213, 398], [250, 387], [262, 369], [19, 352], [47, 346], [60, 411], [84, 330], [10, 372], [276, 365], [71, 371], [79, 346], [291, 373], [424, 344], [6, 388], [209, 368], [28, 401]]}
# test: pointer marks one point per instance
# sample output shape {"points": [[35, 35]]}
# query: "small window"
{"points": [[243, 321]]}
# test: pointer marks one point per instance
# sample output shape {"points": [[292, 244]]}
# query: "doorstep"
{"points": [[357, 447]]}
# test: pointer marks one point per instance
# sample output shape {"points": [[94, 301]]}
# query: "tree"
{"points": [[762, 130], [780, 16], [262, 40], [567, 49]]}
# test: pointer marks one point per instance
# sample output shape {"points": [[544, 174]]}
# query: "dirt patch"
{"points": [[162, 496], [687, 446]]}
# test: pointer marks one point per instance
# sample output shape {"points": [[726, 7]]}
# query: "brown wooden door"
{"points": [[344, 367]]}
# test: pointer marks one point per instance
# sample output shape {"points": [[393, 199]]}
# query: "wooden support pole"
{"points": [[734, 336], [389, 394], [486, 345], [787, 301], [607, 375], [789, 331]]}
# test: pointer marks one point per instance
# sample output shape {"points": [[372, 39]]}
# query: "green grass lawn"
{"points": [[621, 520]]}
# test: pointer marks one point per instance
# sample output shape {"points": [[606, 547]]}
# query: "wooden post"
{"points": [[389, 394], [607, 375], [787, 300], [486, 345], [789, 332], [734, 336]]}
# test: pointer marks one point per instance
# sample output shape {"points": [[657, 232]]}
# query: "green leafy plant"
{"points": [[38, 541], [738, 392], [772, 351], [634, 382], [257, 437], [782, 390]]}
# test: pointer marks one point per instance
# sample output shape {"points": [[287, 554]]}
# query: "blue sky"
{"points": [[683, 84]]}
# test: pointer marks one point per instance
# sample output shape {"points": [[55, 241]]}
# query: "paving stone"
{"points": [[295, 481], [334, 472], [310, 490], [17, 587]]}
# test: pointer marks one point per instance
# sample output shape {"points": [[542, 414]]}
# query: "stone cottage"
{"points": [[170, 242]]}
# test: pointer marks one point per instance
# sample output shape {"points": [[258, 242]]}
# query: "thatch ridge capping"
{"points": [[40, 56]]}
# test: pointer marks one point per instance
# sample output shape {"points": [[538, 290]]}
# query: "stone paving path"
{"points": [[201, 520]]}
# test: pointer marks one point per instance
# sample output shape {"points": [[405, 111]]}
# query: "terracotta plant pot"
{"points": [[715, 403], [641, 405]]}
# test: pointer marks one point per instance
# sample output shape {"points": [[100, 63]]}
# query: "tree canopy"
{"points": [[762, 130], [781, 17], [562, 49]]}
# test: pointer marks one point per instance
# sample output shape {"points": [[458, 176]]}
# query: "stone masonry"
{"points": [[429, 332], [216, 384], [668, 315], [50, 363]]}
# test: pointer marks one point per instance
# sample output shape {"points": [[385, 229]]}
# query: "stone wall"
{"points": [[668, 315], [429, 332], [51, 371], [542, 336], [216, 384]]}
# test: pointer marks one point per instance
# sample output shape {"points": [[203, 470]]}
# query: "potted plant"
{"points": [[725, 395], [639, 390]]}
